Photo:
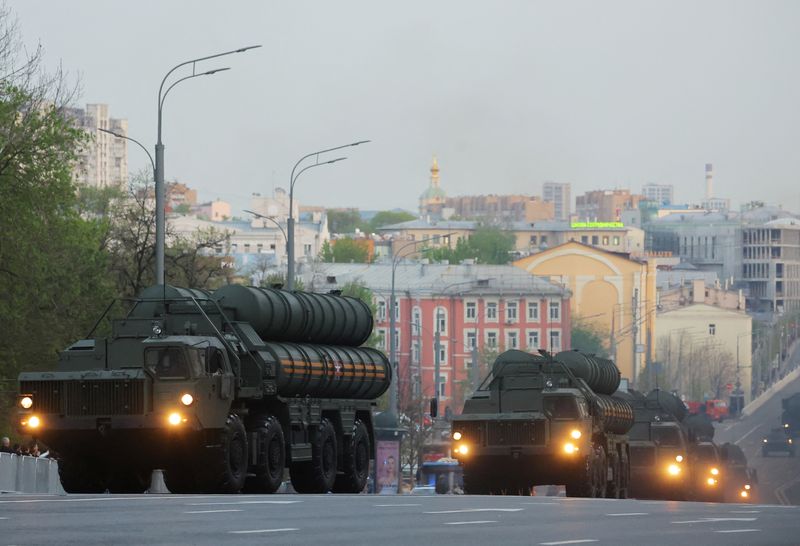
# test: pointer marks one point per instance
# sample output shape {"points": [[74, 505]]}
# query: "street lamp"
{"points": [[392, 320], [118, 135], [290, 221], [159, 162], [271, 219]]}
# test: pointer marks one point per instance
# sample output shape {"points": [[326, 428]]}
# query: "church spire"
{"points": [[435, 173]]}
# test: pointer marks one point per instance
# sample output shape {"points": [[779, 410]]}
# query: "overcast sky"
{"points": [[506, 94]]}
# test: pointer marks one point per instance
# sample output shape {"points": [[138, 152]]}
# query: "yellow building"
{"points": [[610, 291], [699, 346]]}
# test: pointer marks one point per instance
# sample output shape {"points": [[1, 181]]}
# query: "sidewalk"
{"points": [[762, 398]]}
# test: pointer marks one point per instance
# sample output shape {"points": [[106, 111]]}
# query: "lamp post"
{"points": [[290, 220], [271, 219], [118, 135], [159, 162], [393, 391]]}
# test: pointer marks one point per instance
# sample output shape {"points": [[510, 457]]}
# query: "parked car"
{"points": [[777, 440]]}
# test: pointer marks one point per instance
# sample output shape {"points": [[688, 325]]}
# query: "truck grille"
{"points": [[516, 433], [643, 456], [91, 397]]}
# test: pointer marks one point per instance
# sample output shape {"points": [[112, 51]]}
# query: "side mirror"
{"points": [[434, 411]]}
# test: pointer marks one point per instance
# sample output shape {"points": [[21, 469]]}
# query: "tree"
{"points": [[387, 218], [487, 245], [344, 221], [345, 251], [588, 338], [53, 281]]}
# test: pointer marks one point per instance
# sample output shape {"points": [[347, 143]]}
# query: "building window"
{"points": [[396, 310], [491, 311], [472, 338], [381, 333], [555, 310], [512, 340], [533, 310], [415, 321], [381, 312], [471, 311], [533, 339], [442, 353], [595, 240], [442, 385], [605, 240], [396, 338], [259, 248], [441, 320], [247, 248], [533, 239], [415, 352], [468, 364], [511, 311], [585, 239], [712, 329], [555, 340], [616, 240], [491, 339], [307, 250]]}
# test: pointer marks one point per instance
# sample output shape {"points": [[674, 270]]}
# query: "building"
{"points": [[610, 291], [558, 193], [103, 160], [662, 194], [771, 265], [500, 208], [217, 211], [179, 196], [529, 237], [705, 350], [605, 205], [476, 310], [432, 201]]}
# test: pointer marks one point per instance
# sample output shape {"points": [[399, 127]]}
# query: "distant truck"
{"points": [[223, 391], [716, 410], [545, 420], [791, 415]]}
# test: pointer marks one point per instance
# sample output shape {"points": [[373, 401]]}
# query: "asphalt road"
{"points": [[369, 519], [778, 475]]}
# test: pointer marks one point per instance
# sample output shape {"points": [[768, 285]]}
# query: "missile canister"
{"points": [[616, 414], [601, 374], [147, 309], [669, 402], [301, 317], [327, 371]]}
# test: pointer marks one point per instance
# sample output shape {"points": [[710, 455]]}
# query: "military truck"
{"points": [[223, 391], [544, 420], [790, 417], [659, 446]]}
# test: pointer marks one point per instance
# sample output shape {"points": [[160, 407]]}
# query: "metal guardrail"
{"points": [[23, 474]]}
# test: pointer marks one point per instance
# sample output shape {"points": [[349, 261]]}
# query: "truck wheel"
{"points": [[584, 483], [615, 485], [319, 474], [271, 457], [355, 461], [226, 464], [602, 473], [81, 475]]}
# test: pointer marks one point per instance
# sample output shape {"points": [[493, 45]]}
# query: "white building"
{"points": [[559, 194], [660, 193], [103, 160]]}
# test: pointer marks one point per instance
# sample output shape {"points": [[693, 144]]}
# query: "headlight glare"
{"points": [[576, 434], [174, 419], [456, 435], [187, 399], [26, 402], [570, 448], [715, 472], [673, 470], [679, 458], [463, 449]]}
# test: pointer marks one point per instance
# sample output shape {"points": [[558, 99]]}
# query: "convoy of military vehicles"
{"points": [[225, 391]]}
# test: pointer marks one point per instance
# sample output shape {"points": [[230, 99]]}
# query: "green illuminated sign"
{"points": [[582, 225]]}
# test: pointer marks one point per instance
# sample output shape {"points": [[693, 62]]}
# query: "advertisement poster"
{"points": [[388, 466]]}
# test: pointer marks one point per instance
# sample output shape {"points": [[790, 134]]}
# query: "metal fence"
{"points": [[23, 474]]}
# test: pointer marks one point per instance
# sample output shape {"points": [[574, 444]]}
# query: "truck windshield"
{"points": [[167, 363], [560, 407], [666, 436]]}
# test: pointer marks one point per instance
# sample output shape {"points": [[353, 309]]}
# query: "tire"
{"points": [[271, 457], [355, 461], [81, 474], [584, 483], [225, 468], [319, 474], [601, 466], [613, 489]]}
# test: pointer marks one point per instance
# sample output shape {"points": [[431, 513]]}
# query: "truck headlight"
{"points": [[570, 448], [187, 399], [463, 449], [31, 422], [456, 435], [711, 481], [744, 494], [576, 434], [26, 402], [715, 472], [673, 470], [747, 486], [174, 418], [679, 458]]}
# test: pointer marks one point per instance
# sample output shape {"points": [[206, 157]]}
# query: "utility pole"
{"points": [[635, 332], [474, 375], [436, 363]]}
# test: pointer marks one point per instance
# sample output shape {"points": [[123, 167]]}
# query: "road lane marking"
{"points": [[104, 498], [469, 522], [253, 531], [739, 531], [242, 502], [393, 505], [748, 433], [631, 514], [714, 520], [475, 510], [579, 541], [210, 511], [745, 511]]}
